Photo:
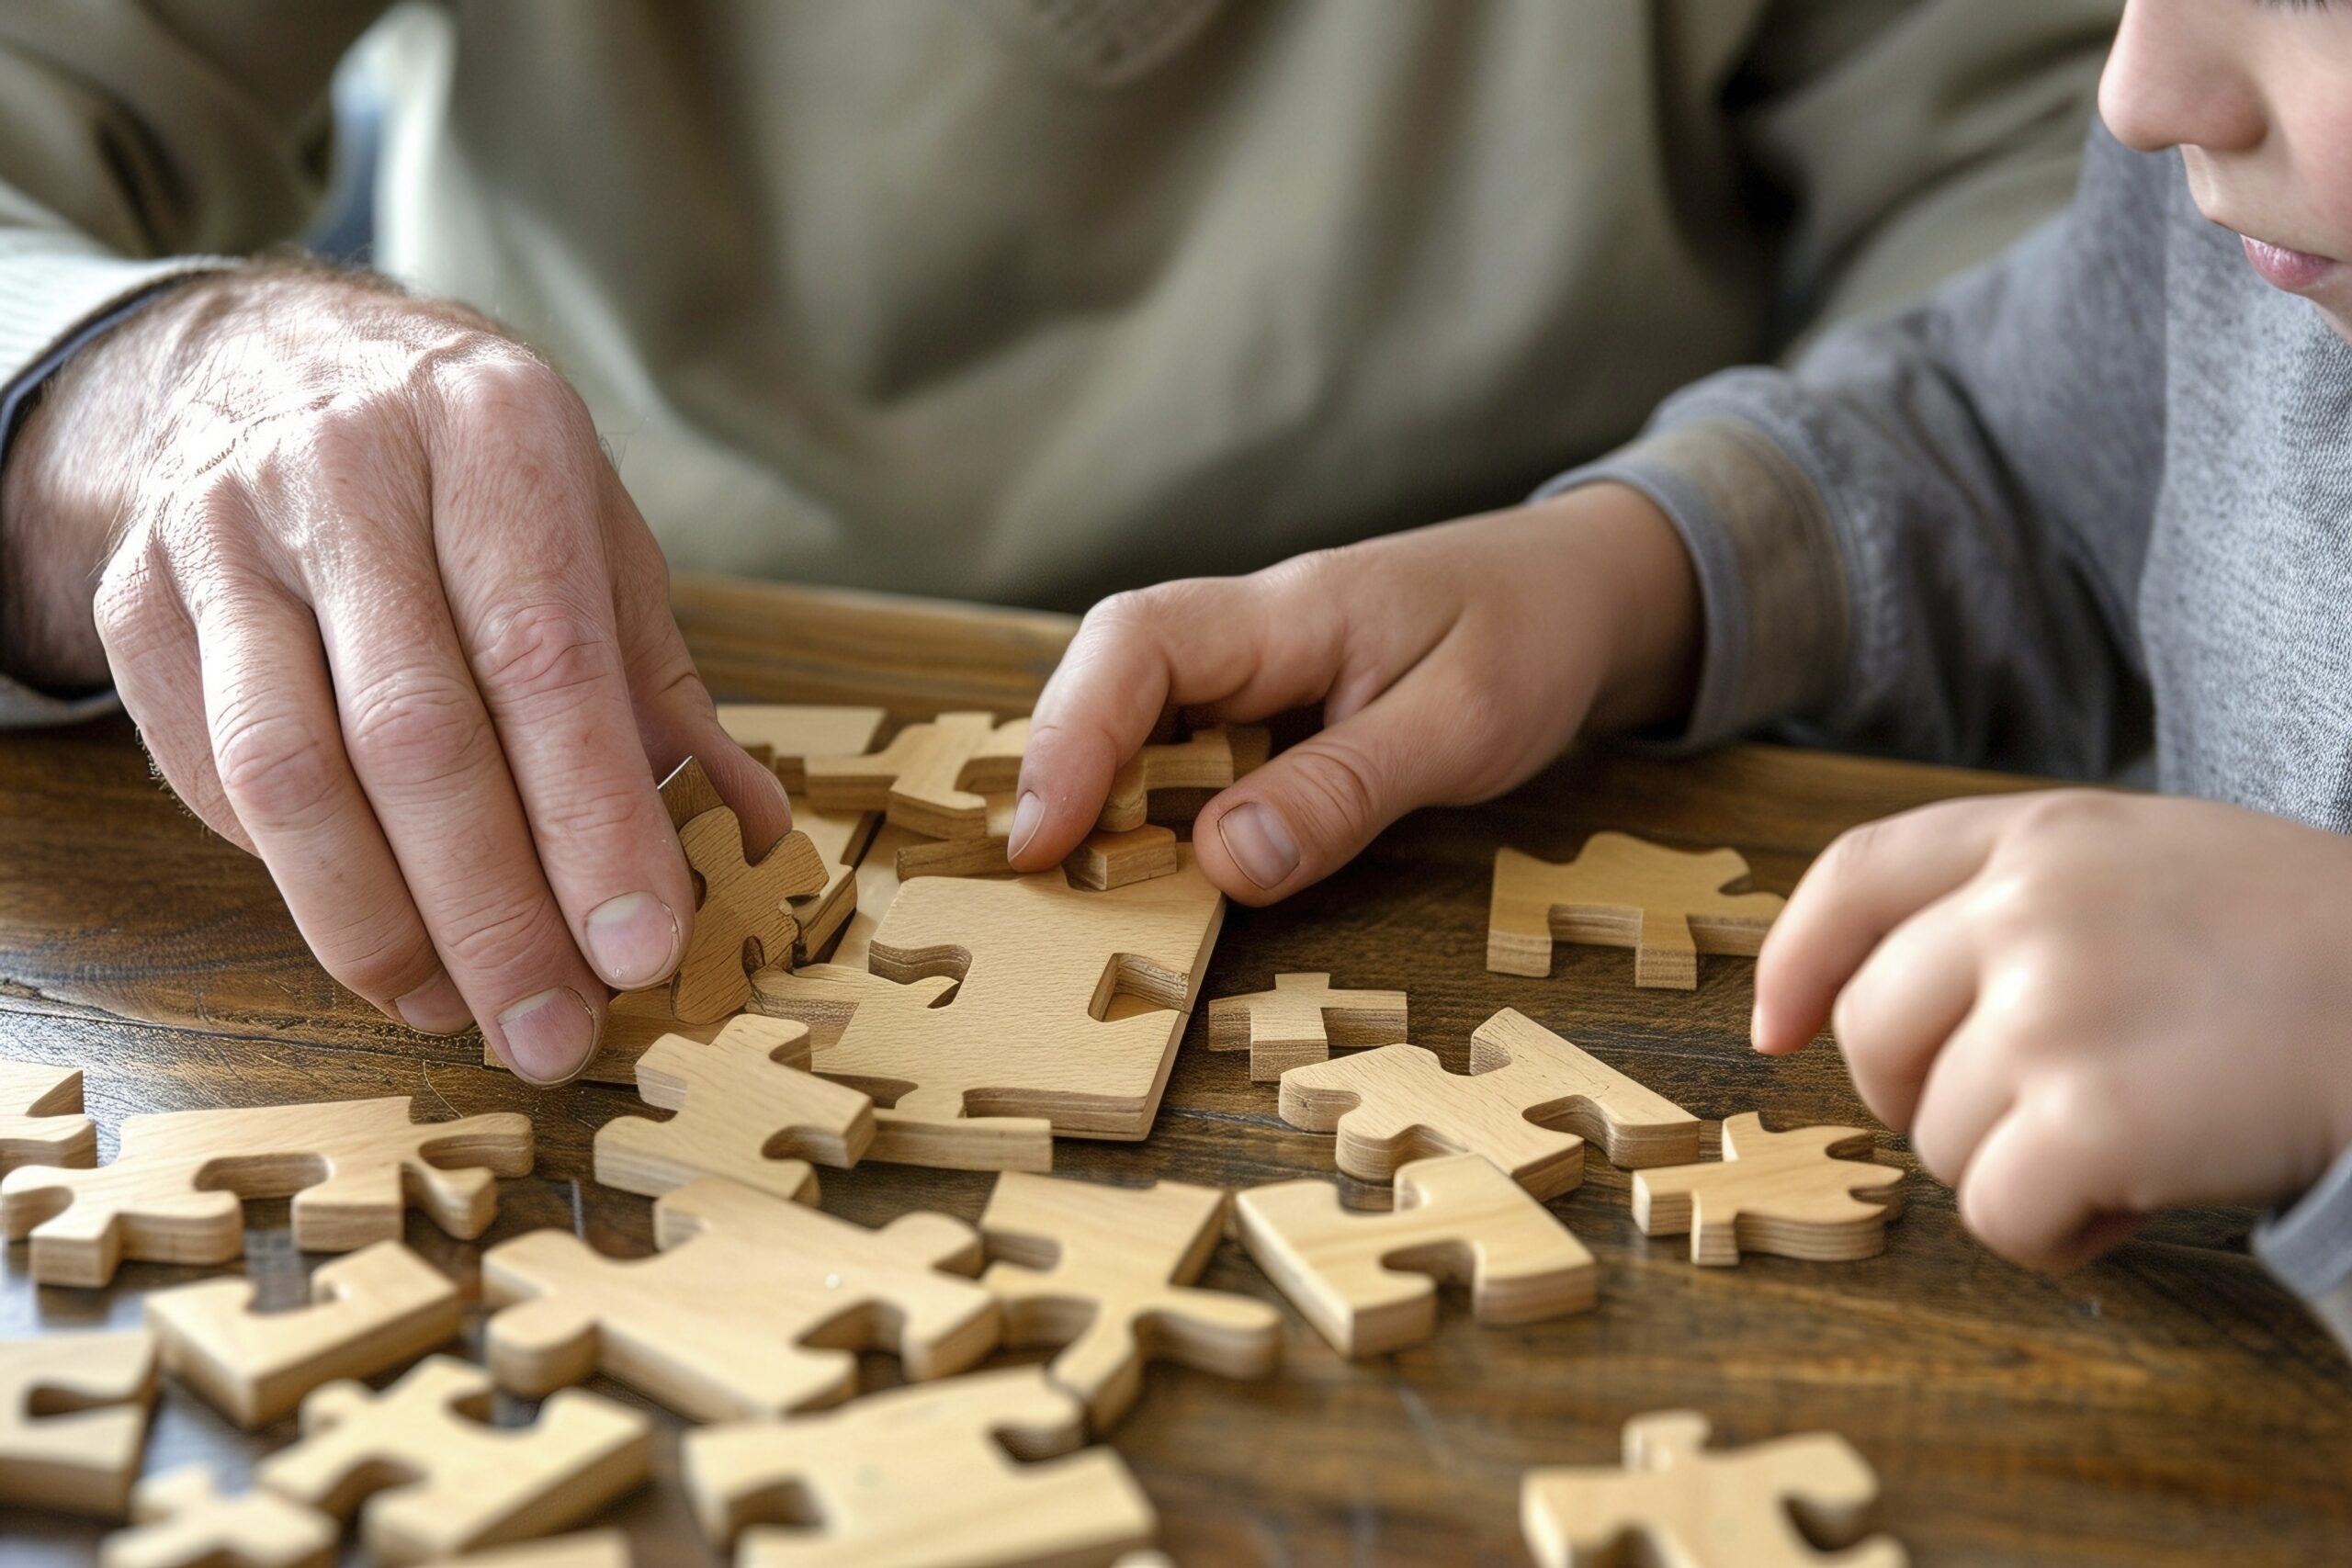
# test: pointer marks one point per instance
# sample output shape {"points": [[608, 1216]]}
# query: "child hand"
{"points": [[2083, 1005], [1449, 662]]}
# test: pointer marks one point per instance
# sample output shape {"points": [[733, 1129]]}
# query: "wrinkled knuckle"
{"points": [[505, 935], [277, 768], [490, 384], [1342, 786], [373, 957], [595, 815], [540, 648], [1313, 572], [416, 731]]}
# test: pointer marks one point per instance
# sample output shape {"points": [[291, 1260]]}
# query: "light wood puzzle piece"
{"points": [[1104, 860], [877, 887], [1678, 1504], [1210, 759], [589, 1549], [174, 1191], [1367, 1281], [840, 839], [932, 779], [1032, 1031], [41, 1117], [920, 1478], [786, 735], [72, 1417], [1300, 1020], [373, 1311], [1780, 1192], [754, 1306], [1105, 1272], [437, 1480], [1620, 891], [742, 918], [745, 1108], [981, 855], [182, 1521], [1529, 1103]]}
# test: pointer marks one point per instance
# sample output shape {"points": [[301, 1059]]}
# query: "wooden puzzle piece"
{"points": [[1367, 1281], [373, 1311], [877, 887], [1780, 1192], [1032, 1031], [1299, 1021], [1104, 860], [742, 919], [1678, 1504], [41, 1117], [745, 1108], [1210, 758], [1529, 1102], [73, 1418], [786, 735], [919, 1478], [1620, 891], [436, 1479], [981, 855], [1106, 1272], [754, 1306], [932, 779], [589, 1549], [174, 1192], [840, 839], [182, 1521]]}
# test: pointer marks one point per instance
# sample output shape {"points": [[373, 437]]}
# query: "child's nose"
{"points": [[2178, 77]]}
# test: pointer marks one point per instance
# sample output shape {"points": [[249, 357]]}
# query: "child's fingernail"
{"points": [[633, 939], [1258, 844], [434, 1008], [549, 1036], [1027, 812]]}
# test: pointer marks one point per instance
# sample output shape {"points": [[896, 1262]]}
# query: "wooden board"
{"points": [[378, 1309], [589, 1549], [1678, 1505], [174, 1192], [41, 1117], [1780, 1192], [919, 1478], [1367, 1281], [745, 1108], [742, 918], [1105, 1273], [1036, 965], [1620, 891], [436, 1480], [1299, 1021], [754, 1305], [841, 838], [786, 735], [1529, 1103], [1210, 758], [1104, 860], [183, 1520], [933, 778], [73, 1418]]}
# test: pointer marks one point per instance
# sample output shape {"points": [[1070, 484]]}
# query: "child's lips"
{"points": [[2294, 271]]}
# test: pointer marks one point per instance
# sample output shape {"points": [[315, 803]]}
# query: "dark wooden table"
{"points": [[2168, 1405]]}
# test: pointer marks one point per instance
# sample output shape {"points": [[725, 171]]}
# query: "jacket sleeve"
{"points": [[2308, 1248], [1925, 538]]}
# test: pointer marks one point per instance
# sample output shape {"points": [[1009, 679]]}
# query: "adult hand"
{"points": [[387, 619], [1450, 663], [2084, 1006]]}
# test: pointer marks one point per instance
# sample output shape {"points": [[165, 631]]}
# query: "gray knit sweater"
{"points": [[2112, 466]]}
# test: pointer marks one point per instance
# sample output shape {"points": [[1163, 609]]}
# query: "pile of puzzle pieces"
{"points": [[878, 986]]}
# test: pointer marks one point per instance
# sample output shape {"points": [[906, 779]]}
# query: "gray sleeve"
{"points": [[1924, 538], [2308, 1249]]}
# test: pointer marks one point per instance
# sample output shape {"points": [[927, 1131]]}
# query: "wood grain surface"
{"points": [[2167, 1405]]}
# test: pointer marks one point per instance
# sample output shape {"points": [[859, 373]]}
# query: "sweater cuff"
{"points": [[2309, 1248], [1771, 583], [52, 285]]}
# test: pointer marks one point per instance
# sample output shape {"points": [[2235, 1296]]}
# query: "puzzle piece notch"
{"points": [[745, 1107], [437, 1480], [1620, 891], [181, 1519], [753, 1306], [370, 1312], [73, 1418], [1679, 1503], [1210, 759], [1106, 1273], [1787, 1193], [885, 1482], [742, 918], [1300, 1020], [41, 1117], [933, 778], [784, 736], [1529, 1103], [174, 1193], [1367, 1279]]}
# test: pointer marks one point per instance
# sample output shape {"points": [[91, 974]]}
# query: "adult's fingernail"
{"points": [[633, 939], [1027, 812], [435, 1008], [1254, 836], [549, 1036]]}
